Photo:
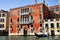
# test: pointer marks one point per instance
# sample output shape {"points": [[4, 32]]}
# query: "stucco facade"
{"points": [[3, 20], [52, 26]]}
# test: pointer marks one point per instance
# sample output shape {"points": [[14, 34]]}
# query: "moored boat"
{"points": [[41, 35]]}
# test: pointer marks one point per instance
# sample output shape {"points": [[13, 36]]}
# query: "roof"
{"points": [[55, 6], [3, 11]]}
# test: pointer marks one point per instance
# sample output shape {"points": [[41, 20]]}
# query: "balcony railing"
{"points": [[26, 20], [24, 13], [23, 22]]}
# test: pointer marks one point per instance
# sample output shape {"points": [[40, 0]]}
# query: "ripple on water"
{"points": [[28, 38]]}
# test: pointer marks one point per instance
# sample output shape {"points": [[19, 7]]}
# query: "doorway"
{"points": [[52, 33], [25, 31]]}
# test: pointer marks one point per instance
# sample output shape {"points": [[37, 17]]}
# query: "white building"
{"points": [[3, 19], [52, 26]]}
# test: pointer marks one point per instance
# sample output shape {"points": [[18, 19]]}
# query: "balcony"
{"points": [[24, 22], [26, 13]]}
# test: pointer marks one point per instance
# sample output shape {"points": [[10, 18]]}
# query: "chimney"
{"points": [[59, 4], [35, 1], [44, 1]]}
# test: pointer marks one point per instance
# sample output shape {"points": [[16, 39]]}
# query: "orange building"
{"points": [[27, 19]]}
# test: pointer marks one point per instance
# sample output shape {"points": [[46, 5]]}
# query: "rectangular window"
{"points": [[24, 10], [19, 11], [3, 15], [1, 25], [40, 9], [25, 19], [57, 25], [32, 29], [18, 28], [31, 10], [1, 20], [11, 29], [0, 15], [40, 18]]}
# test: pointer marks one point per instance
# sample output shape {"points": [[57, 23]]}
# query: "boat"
{"points": [[41, 35]]}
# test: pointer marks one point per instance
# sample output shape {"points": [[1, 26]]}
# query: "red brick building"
{"points": [[27, 19]]}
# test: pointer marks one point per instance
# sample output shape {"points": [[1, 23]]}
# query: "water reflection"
{"points": [[29, 38]]}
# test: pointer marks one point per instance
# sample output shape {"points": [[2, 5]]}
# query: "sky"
{"points": [[8, 4]]}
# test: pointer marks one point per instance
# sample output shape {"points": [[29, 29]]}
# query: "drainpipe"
{"points": [[59, 13]]}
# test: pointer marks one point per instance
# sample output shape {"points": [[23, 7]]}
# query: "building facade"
{"points": [[54, 9], [28, 19], [52, 26], [3, 20]]}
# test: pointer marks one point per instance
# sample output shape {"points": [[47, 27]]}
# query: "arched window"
{"points": [[18, 20], [11, 20]]}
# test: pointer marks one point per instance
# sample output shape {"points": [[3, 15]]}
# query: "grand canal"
{"points": [[29, 38]]}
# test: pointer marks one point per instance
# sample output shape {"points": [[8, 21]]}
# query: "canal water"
{"points": [[29, 38]]}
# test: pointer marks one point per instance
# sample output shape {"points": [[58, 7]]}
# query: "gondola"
{"points": [[41, 35]]}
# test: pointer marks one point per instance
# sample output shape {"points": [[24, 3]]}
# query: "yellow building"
{"points": [[52, 26]]}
